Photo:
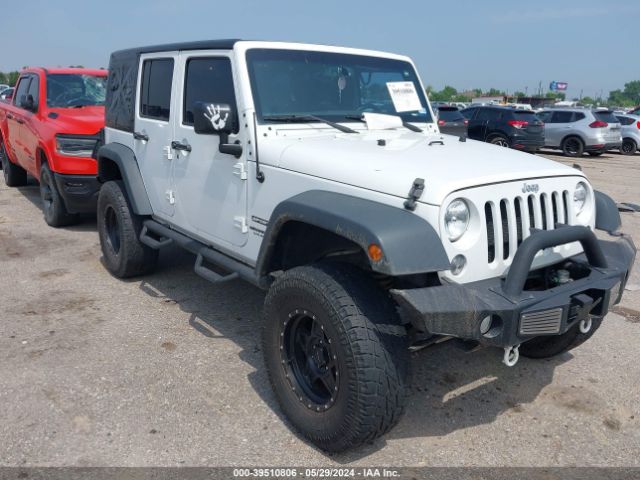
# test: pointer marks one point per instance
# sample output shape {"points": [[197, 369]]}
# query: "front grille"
{"points": [[544, 322], [508, 221]]}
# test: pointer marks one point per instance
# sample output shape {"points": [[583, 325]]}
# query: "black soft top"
{"points": [[123, 73]]}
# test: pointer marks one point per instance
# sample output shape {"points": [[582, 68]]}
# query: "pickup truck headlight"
{"points": [[580, 196], [456, 219], [76, 145]]}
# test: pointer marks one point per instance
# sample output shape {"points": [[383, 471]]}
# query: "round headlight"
{"points": [[456, 219], [580, 195]]}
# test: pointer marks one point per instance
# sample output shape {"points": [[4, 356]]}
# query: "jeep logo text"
{"points": [[530, 188]]}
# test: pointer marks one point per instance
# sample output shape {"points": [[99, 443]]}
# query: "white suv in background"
{"points": [[578, 130], [630, 133]]}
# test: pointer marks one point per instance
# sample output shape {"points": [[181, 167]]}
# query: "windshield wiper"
{"points": [[307, 118], [408, 125]]}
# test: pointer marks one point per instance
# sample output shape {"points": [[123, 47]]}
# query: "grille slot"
{"points": [[544, 322], [508, 221]]}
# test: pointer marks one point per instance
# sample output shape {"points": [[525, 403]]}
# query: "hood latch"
{"points": [[414, 194]]}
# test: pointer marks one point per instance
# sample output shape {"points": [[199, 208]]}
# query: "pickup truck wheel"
{"points": [[55, 212], [336, 355], [550, 346], [119, 231], [14, 175]]}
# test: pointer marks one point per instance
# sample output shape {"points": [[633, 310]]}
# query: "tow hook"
{"points": [[585, 324], [511, 355]]}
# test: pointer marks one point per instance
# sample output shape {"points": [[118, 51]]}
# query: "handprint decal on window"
{"points": [[214, 116]]}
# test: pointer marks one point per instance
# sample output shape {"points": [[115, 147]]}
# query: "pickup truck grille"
{"points": [[508, 221]]}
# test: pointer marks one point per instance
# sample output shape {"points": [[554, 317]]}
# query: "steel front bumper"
{"points": [[515, 314]]}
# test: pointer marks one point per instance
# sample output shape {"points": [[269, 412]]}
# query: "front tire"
{"points": [[550, 346], [500, 141], [336, 355], [119, 231], [14, 175], [53, 207]]}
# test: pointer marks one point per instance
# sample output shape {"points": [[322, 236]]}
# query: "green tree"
{"points": [[587, 101], [518, 94]]}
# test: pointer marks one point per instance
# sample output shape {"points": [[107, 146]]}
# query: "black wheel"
{"points": [[628, 147], [573, 147], [14, 175], [119, 231], [597, 153], [336, 355], [55, 212], [500, 141], [550, 346]]}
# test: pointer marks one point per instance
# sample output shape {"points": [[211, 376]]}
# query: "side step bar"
{"points": [[166, 236]]}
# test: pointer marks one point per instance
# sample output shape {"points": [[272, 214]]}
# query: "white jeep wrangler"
{"points": [[318, 174]]}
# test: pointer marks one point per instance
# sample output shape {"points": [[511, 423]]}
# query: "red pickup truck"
{"points": [[49, 130]]}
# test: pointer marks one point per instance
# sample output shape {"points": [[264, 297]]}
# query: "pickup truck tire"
{"points": [[546, 347], [336, 354], [14, 175], [53, 207], [119, 231]]}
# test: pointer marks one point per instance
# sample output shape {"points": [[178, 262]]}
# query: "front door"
{"points": [[16, 121], [154, 129], [211, 187]]}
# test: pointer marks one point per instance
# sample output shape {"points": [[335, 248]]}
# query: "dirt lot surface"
{"points": [[167, 370]]}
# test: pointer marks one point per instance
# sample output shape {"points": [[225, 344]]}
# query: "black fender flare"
{"points": [[410, 245], [607, 213], [126, 161]]}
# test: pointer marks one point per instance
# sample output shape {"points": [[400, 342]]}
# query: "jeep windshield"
{"points": [[73, 90], [337, 87]]}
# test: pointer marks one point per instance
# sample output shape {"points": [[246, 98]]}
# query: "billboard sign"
{"points": [[558, 86]]}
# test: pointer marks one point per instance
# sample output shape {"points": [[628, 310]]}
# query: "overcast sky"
{"points": [[507, 44]]}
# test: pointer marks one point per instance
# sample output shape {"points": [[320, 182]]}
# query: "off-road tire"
{"points": [[499, 140], [550, 346], [14, 175], [572, 147], [629, 147], [361, 325], [53, 207], [119, 231]]}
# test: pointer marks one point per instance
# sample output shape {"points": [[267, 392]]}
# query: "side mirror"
{"points": [[217, 119]]}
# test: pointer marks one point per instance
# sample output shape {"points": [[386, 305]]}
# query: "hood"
{"points": [[85, 120], [389, 161]]}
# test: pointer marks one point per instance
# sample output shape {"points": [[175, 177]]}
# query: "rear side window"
{"points": [[608, 117], [21, 91], [155, 93], [207, 80], [578, 116], [625, 120], [487, 114], [562, 117], [450, 115]]}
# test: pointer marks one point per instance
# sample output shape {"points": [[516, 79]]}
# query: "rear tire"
{"points": [[550, 346], [14, 175], [336, 355], [628, 147], [53, 207], [119, 231], [572, 147], [500, 141]]}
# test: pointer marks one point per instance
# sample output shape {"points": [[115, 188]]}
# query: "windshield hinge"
{"points": [[240, 171], [414, 194]]}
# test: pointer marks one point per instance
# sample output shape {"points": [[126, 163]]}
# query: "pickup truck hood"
{"points": [[391, 168], [82, 121]]}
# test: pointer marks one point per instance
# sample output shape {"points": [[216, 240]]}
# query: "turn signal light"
{"points": [[441, 122], [375, 252], [638, 125]]}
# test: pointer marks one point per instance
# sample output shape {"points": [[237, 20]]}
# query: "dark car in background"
{"points": [[451, 121], [506, 127]]}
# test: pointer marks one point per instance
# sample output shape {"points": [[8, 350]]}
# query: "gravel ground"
{"points": [[167, 370]]}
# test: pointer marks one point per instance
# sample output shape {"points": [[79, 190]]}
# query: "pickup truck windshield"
{"points": [[335, 86], [72, 90]]}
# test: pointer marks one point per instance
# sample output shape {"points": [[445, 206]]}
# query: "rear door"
{"points": [[211, 187], [154, 129]]}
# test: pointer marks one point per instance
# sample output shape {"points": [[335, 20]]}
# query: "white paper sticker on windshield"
{"points": [[404, 96]]}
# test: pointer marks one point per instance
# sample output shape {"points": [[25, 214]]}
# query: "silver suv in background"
{"points": [[630, 133], [576, 131]]}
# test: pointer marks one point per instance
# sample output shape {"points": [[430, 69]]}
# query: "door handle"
{"points": [[181, 146], [141, 136], [9, 116], [20, 121]]}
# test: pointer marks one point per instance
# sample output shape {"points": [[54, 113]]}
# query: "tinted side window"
{"points": [[34, 89], [561, 117], [21, 90], [207, 80], [468, 112], [625, 120], [487, 114], [155, 93], [578, 116]]}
